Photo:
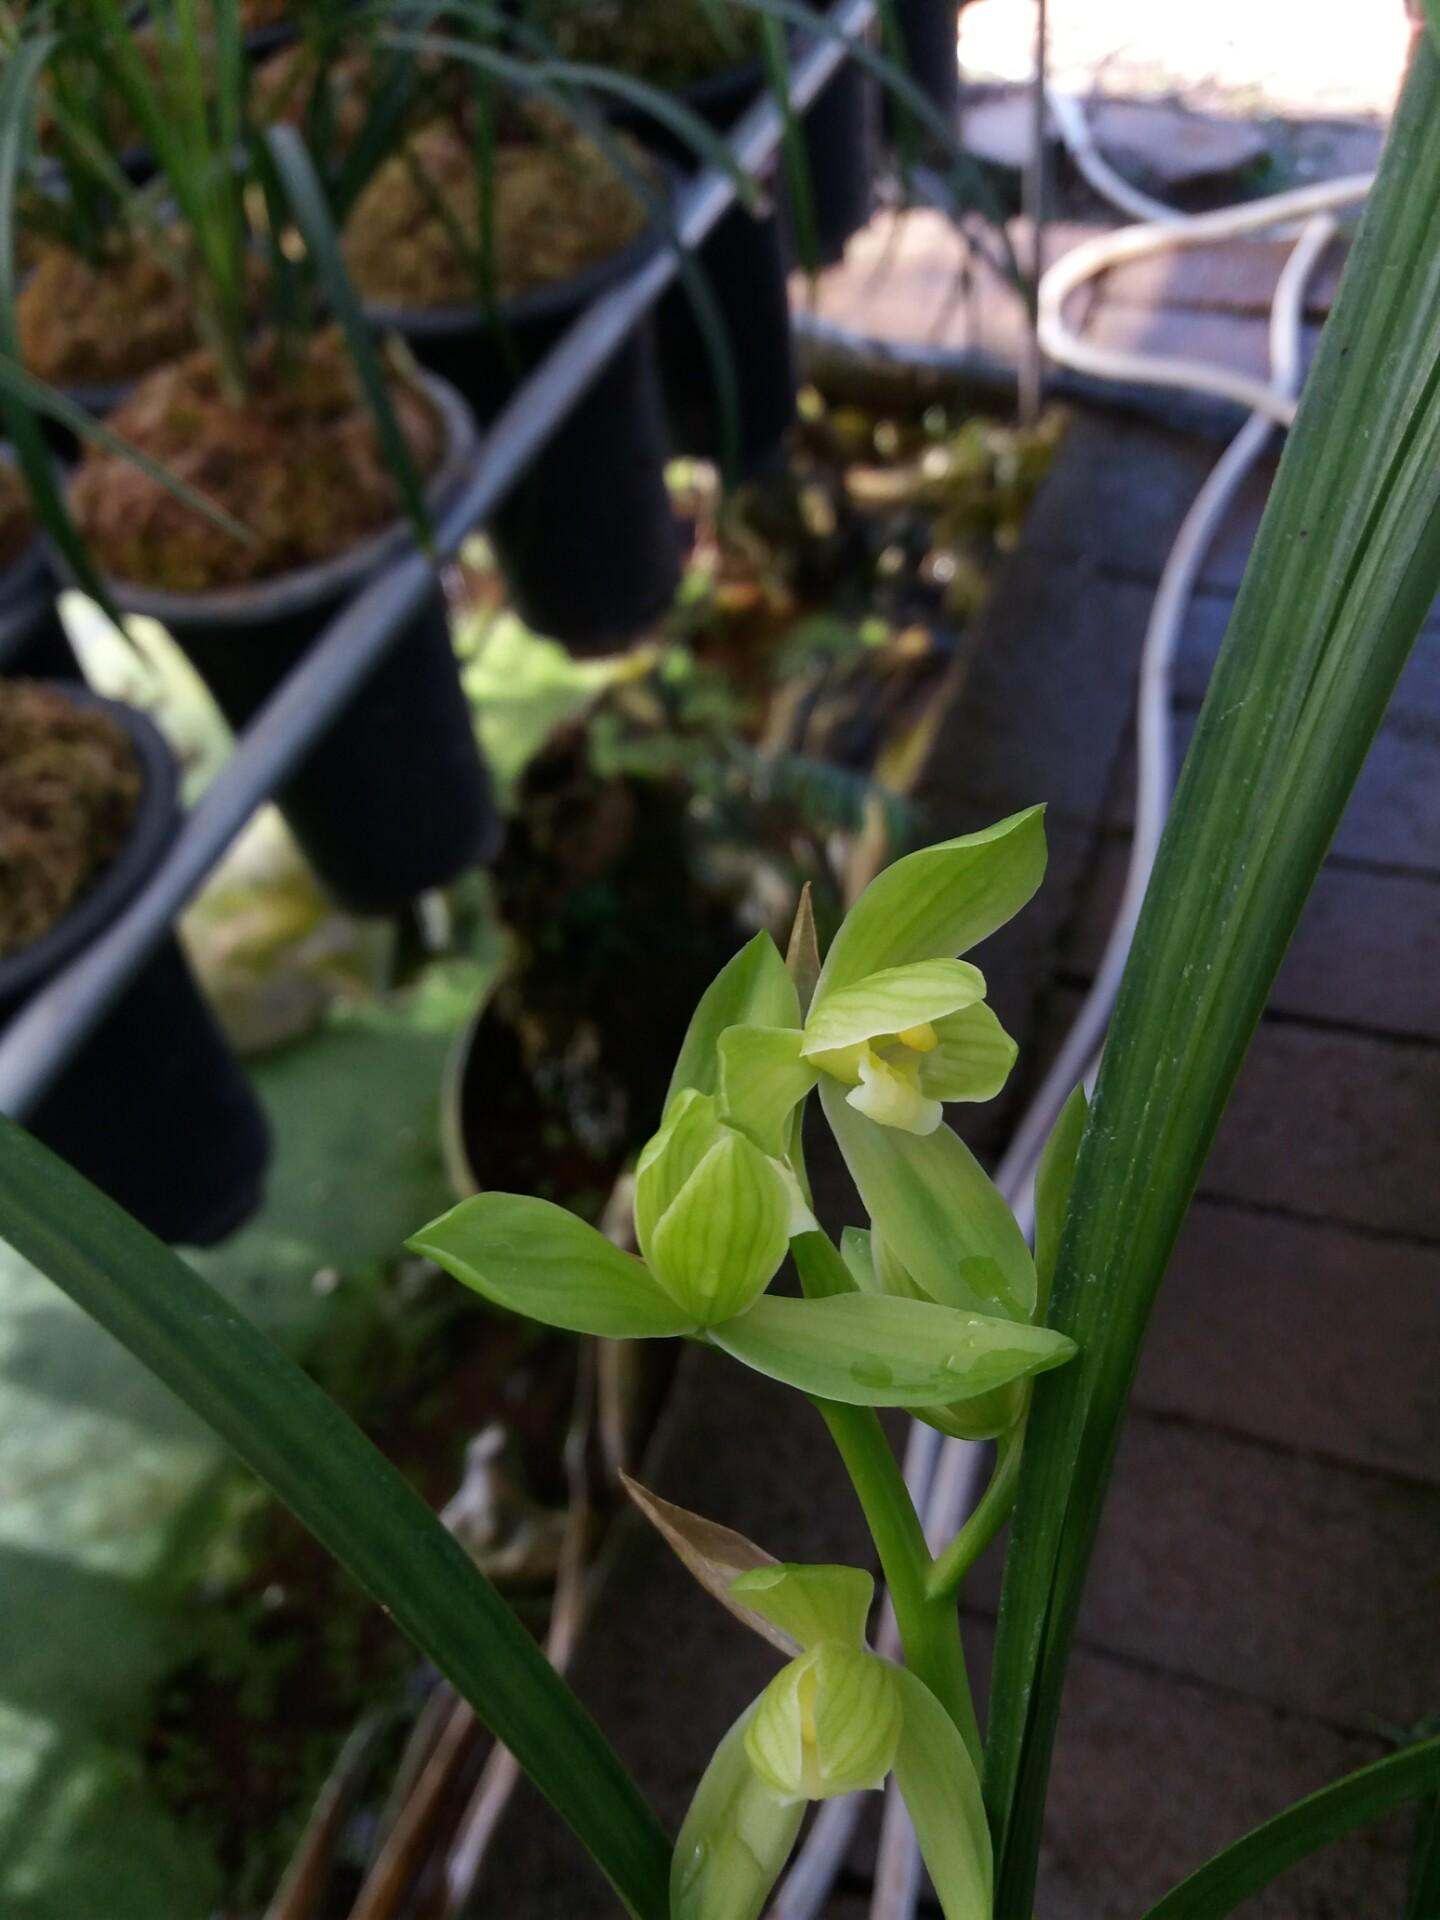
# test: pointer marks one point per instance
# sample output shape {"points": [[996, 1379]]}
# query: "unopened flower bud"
{"points": [[827, 1724]]}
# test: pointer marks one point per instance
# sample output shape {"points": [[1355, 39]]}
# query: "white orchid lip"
{"points": [[892, 1097]]}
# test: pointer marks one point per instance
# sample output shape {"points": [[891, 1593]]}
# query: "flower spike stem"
{"points": [[929, 1626], [948, 1570]]}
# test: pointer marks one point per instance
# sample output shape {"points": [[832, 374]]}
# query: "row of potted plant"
{"points": [[267, 449]]}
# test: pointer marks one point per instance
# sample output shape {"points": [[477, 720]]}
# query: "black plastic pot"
{"points": [[393, 799], [841, 137], [746, 265], [587, 538], [927, 32], [154, 1107], [33, 645]]}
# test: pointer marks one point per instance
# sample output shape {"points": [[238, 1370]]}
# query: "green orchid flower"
{"points": [[897, 1018], [837, 1719], [715, 1214], [941, 1232]]}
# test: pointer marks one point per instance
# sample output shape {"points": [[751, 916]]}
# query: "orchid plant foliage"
{"points": [[936, 1306]]}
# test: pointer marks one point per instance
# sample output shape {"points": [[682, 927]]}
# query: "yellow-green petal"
{"points": [[809, 1603], [937, 1212], [972, 1057], [890, 1002], [872, 1351], [940, 901], [534, 1258], [720, 1242], [735, 1839], [941, 1791], [827, 1724], [752, 989], [762, 1081], [689, 1130]]}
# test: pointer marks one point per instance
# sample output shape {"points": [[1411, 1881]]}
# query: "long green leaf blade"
{"points": [[1222, 1884], [338, 1485], [1346, 564], [312, 216]]}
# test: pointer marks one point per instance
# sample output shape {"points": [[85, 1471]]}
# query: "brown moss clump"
{"points": [[85, 324], [297, 462], [70, 782], [281, 88], [671, 43], [17, 516], [559, 208]]}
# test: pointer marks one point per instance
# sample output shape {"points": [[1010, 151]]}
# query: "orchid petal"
{"points": [[940, 901], [534, 1258], [762, 1081], [890, 1002], [972, 1058]]}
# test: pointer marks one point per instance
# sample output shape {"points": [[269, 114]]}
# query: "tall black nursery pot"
{"points": [[927, 31], [586, 537], [745, 263], [154, 1107], [32, 640], [393, 798], [840, 131]]}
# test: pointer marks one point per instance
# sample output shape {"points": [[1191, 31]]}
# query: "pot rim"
{"points": [[305, 587], [156, 818]]}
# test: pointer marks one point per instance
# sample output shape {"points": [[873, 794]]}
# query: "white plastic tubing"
{"points": [[945, 1477]]}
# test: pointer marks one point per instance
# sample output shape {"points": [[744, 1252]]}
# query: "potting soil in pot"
{"points": [[587, 537], [296, 461], [69, 787], [668, 44], [152, 1106], [102, 323], [559, 206]]}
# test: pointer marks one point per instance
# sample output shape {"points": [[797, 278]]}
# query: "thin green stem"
{"points": [[929, 1627], [950, 1567]]}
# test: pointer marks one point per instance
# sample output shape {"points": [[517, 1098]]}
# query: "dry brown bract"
{"points": [[69, 786], [559, 207], [297, 462], [17, 519]]}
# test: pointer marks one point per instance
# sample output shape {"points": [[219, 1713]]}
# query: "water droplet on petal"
{"points": [[871, 1373]]}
